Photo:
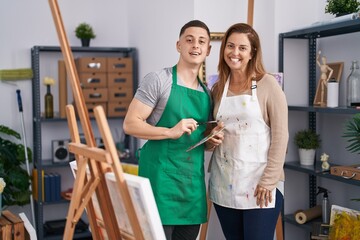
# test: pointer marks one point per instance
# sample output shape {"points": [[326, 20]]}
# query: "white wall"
{"points": [[24, 24], [153, 28]]}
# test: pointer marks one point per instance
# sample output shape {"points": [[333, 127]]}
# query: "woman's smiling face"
{"points": [[237, 52]]}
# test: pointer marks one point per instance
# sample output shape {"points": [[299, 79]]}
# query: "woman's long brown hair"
{"points": [[255, 68]]}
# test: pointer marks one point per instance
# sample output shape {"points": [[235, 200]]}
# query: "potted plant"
{"points": [[85, 33], [12, 158], [352, 133], [341, 7], [307, 141]]}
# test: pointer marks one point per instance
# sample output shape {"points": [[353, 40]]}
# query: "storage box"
{"points": [[90, 107], [348, 172], [93, 80], [118, 109], [120, 94], [124, 65], [120, 80], [91, 64], [95, 94], [11, 226]]}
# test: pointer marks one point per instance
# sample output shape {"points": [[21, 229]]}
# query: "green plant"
{"points": [[307, 139], [84, 31], [352, 133], [12, 159], [341, 7]]}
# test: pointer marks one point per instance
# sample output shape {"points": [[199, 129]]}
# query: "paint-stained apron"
{"points": [[177, 176], [239, 162]]}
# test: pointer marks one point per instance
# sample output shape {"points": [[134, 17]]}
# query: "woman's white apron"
{"points": [[239, 162]]}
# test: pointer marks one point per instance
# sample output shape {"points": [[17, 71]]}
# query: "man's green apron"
{"points": [[177, 176]]}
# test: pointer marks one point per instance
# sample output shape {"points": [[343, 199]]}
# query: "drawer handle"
{"points": [[95, 95], [94, 65], [117, 80], [120, 109], [93, 80], [344, 172], [119, 65]]}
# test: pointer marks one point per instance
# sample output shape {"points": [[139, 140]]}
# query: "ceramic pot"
{"points": [[307, 156]]}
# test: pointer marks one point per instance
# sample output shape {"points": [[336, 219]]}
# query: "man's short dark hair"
{"points": [[195, 23]]}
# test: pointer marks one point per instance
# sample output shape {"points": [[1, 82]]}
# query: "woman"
{"points": [[246, 180]]}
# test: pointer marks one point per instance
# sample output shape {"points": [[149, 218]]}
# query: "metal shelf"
{"points": [[45, 164], [83, 235], [325, 29], [311, 34], [85, 49], [317, 171], [336, 110]]}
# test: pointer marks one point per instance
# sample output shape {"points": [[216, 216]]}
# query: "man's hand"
{"points": [[184, 126]]}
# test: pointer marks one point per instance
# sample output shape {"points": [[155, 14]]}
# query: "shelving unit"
{"points": [[312, 34], [41, 124]]}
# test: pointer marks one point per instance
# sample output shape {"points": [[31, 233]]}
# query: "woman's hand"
{"points": [[263, 196], [217, 139]]}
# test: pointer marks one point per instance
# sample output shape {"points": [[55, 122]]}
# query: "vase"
{"points": [[307, 156], [353, 86], [85, 42], [49, 103]]}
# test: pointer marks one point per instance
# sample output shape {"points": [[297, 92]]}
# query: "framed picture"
{"points": [[321, 91], [279, 76], [337, 68], [210, 64], [143, 200]]}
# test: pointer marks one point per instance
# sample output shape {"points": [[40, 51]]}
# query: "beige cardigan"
{"points": [[274, 109]]}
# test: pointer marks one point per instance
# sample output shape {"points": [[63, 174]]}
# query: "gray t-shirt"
{"points": [[154, 91]]}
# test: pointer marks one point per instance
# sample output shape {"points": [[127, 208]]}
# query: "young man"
{"points": [[166, 110]]}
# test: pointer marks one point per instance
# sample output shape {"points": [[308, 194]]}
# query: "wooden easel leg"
{"points": [[279, 229], [204, 226], [250, 16], [80, 181], [118, 172], [96, 169]]}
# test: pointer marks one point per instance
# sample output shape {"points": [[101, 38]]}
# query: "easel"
{"points": [[98, 161], [279, 225]]}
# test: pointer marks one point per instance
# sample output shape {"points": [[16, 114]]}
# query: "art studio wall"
{"points": [[153, 28]]}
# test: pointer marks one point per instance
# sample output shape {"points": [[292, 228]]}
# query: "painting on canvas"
{"points": [[144, 204]]}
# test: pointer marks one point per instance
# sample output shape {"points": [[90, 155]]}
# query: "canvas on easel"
{"points": [[141, 195]]}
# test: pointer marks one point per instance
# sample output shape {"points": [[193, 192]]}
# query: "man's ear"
{"points": [[208, 51], [178, 46]]}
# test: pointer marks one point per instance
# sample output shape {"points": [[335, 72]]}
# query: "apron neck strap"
{"points": [[174, 78], [253, 89], [174, 74]]}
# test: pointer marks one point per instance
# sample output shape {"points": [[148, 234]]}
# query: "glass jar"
{"points": [[49, 103], [353, 86]]}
